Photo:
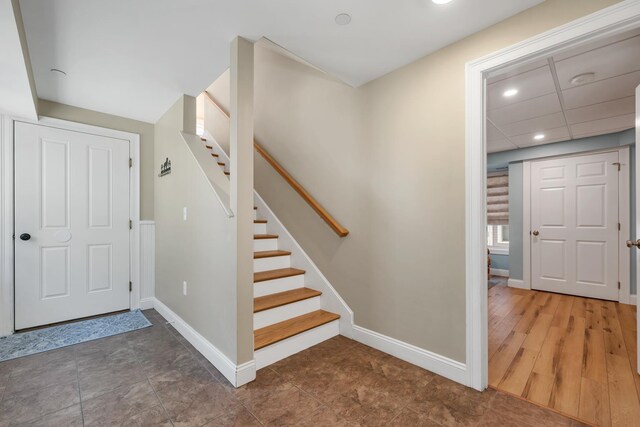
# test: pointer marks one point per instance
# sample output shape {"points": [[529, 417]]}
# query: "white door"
{"points": [[71, 225], [574, 225]]}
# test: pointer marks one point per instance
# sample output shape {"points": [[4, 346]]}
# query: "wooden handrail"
{"points": [[331, 221]]}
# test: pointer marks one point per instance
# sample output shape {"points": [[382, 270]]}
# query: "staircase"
{"points": [[287, 316]]}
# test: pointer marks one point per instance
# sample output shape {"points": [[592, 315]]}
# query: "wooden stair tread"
{"points": [[265, 236], [209, 146], [280, 273], [227, 173], [259, 221], [214, 154], [270, 254], [283, 298], [280, 331], [220, 164]]}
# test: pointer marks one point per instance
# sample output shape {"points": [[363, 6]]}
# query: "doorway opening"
{"points": [[550, 279]]}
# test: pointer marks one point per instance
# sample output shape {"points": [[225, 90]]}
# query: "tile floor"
{"points": [[154, 377]]}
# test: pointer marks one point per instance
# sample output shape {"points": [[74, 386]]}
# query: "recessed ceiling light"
{"points": [[584, 78], [343, 19], [441, 1], [539, 137], [510, 92], [57, 71]]}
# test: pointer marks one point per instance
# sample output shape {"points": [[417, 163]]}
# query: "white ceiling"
{"points": [[16, 91], [134, 58], [548, 103]]}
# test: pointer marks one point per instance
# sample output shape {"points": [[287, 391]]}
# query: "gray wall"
{"points": [[198, 250], [513, 160]]}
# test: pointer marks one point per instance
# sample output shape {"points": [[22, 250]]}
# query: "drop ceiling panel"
{"points": [[609, 125], [538, 82], [551, 135], [535, 107], [604, 106], [534, 125], [500, 145], [601, 91], [606, 62], [603, 110], [493, 134]]}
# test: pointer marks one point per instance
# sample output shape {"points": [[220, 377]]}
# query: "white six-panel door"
{"points": [[71, 225], [574, 225]]}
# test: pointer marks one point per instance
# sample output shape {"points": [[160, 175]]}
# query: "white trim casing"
{"points": [[236, 374], [7, 190], [436, 363], [6, 226], [624, 216], [618, 18], [526, 227]]}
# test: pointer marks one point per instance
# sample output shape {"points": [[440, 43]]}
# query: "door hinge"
{"points": [[130, 225], [617, 164], [130, 162], [618, 285], [130, 286]]}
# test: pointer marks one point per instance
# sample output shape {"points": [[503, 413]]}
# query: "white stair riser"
{"points": [[285, 312], [259, 228], [265, 245], [255, 214], [269, 287], [271, 263], [285, 348]]}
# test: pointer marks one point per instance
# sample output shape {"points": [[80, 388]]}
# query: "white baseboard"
{"points": [[633, 299], [236, 374], [499, 272], [515, 283], [441, 365], [146, 303]]}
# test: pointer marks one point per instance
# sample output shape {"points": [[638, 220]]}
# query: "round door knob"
{"points": [[535, 232], [632, 243], [25, 236]]}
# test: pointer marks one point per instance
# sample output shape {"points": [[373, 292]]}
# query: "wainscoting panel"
{"points": [[147, 263]]}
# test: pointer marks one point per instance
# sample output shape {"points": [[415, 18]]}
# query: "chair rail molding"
{"points": [[618, 18]]}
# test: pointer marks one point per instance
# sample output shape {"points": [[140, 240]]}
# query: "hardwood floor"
{"points": [[575, 355]]}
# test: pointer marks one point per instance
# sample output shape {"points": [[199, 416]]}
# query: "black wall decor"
{"points": [[165, 168]]}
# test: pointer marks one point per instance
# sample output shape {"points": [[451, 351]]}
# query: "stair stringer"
{"points": [[330, 300]]}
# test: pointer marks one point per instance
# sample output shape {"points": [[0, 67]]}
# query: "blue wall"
{"points": [[513, 160], [500, 261]]}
